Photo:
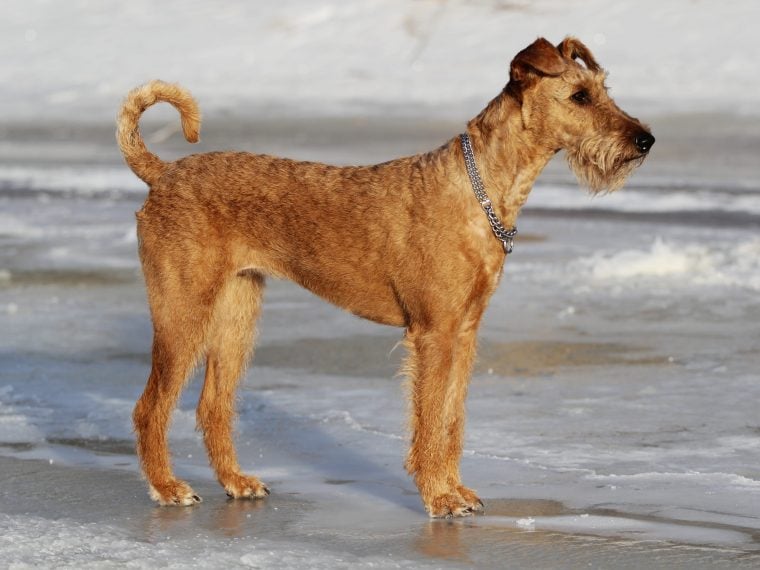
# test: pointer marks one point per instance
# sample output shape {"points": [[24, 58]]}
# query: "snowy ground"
{"points": [[613, 413]]}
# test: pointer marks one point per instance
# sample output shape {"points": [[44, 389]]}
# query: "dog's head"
{"points": [[565, 105]]}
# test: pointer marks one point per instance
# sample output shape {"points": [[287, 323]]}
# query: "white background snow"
{"points": [[77, 59]]}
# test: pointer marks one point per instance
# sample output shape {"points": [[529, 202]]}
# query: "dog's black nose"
{"points": [[644, 142]]}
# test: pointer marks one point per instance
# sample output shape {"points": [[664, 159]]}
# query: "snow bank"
{"points": [[76, 60], [734, 265]]}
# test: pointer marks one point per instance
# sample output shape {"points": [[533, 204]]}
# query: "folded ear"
{"points": [[573, 48], [539, 58]]}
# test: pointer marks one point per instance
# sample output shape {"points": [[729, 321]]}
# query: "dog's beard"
{"points": [[602, 165]]}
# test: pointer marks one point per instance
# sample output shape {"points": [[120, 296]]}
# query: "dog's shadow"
{"points": [[325, 461], [306, 467]]}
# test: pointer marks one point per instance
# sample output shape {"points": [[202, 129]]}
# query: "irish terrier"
{"points": [[418, 243]]}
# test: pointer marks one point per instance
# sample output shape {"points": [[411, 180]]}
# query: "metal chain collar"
{"points": [[505, 236]]}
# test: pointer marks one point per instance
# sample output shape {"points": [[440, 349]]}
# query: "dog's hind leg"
{"points": [[229, 345], [177, 343], [183, 282]]}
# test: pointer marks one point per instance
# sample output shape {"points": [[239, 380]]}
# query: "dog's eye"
{"points": [[581, 97]]}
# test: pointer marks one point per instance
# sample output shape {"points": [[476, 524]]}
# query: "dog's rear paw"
{"points": [[244, 487], [174, 493], [470, 499], [449, 505]]}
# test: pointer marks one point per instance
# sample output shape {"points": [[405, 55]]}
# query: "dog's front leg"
{"points": [[438, 367], [464, 356]]}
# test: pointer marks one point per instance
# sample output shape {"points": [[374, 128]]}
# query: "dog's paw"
{"points": [[240, 486], [174, 493], [470, 499], [447, 506]]}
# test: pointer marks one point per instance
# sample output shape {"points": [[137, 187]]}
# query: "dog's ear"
{"points": [[539, 58], [573, 48]]}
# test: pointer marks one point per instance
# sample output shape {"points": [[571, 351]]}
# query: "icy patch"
{"points": [[662, 259], [105, 418], [658, 200], [183, 424], [717, 480], [341, 416], [86, 181], [344, 417], [638, 529], [526, 523], [16, 425], [27, 542], [16, 227], [734, 265]]}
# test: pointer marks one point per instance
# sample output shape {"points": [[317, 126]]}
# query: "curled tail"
{"points": [[143, 162]]}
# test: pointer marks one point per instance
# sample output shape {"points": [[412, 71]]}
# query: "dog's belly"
{"points": [[360, 290], [371, 306], [360, 294]]}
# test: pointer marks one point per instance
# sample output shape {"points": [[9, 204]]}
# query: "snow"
{"points": [[78, 59], [730, 264], [612, 416], [526, 524]]}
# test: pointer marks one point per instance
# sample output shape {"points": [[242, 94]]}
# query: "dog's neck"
{"points": [[500, 140]]}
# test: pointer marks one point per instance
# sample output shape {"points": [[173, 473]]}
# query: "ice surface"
{"points": [[640, 414]]}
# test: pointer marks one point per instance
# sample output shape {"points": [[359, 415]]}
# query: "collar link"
{"points": [[505, 236]]}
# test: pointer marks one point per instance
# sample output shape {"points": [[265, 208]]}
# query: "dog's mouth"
{"points": [[604, 171], [637, 159]]}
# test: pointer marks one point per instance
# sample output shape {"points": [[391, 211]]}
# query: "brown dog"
{"points": [[405, 243]]}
